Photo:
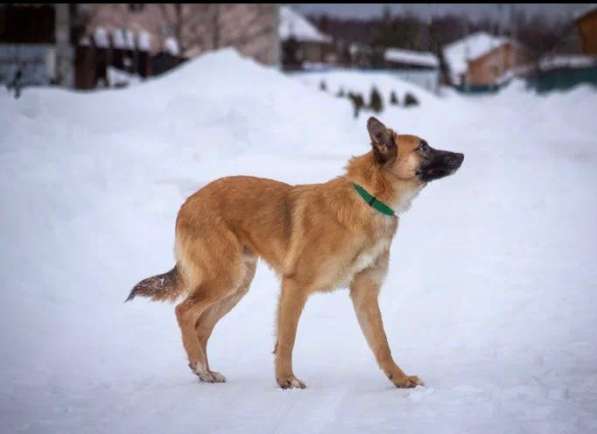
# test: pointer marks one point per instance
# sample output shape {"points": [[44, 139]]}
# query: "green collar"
{"points": [[372, 201]]}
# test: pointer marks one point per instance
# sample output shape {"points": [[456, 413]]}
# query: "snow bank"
{"points": [[488, 298]]}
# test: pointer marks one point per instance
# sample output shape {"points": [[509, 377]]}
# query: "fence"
{"points": [[560, 79], [92, 63]]}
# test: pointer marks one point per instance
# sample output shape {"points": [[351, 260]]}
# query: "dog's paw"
{"points": [[211, 377], [407, 381], [206, 375], [290, 382]]}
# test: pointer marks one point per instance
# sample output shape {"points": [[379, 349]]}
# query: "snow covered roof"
{"points": [[567, 61], [123, 38], [144, 40], [118, 38], [470, 48], [100, 36], [411, 57], [585, 10], [294, 24], [129, 38], [171, 46]]}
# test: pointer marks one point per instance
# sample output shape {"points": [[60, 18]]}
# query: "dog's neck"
{"points": [[388, 188]]}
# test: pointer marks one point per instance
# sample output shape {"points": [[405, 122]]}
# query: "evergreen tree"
{"points": [[410, 100], [393, 98], [358, 102], [375, 101]]}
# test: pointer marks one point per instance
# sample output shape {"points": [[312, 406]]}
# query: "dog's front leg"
{"points": [[364, 292], [290, 307]]}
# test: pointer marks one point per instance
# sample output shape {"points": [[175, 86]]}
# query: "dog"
{"points": [[316, 237]]}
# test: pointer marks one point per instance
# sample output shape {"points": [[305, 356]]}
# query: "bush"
{"points": [[358, 102], [340, 93], [375, 101], [322, 86], [410, 100], [393, 98]]}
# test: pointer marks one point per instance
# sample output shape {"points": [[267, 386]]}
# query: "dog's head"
{"points": [[410, 158]]}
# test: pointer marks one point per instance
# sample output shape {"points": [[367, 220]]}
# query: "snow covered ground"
{"points": [[490, 297]]}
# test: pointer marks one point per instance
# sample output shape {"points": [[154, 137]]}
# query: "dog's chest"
{"points": [[367, 257], [363, 258]]}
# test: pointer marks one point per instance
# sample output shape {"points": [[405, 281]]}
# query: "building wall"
{"points": [[35, 61], [490, 68], [250, 28], [35, 43], [426, 78], [587, 27]]}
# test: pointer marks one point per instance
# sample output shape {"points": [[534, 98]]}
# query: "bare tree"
{"points": [[190, 25]]}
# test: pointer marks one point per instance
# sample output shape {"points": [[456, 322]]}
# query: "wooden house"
{"points": [[303, 45], [586, 23], [482, 61]]}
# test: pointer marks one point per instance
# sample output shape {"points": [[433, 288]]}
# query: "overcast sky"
{"points": [[475, 11]]}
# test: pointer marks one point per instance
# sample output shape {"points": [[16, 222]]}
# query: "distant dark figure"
{"points": [[393, 98], [322, 86], [358, 102], [340, 93], [375, 101], [410, 100], [16, 83], [291, 57]]}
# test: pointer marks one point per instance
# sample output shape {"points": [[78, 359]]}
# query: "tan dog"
{"points": [[316, 237]]}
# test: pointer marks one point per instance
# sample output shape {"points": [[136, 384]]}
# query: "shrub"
{"points": [[375, 101], [410, 100], [358, 102], [322, 86], [393, 98]]}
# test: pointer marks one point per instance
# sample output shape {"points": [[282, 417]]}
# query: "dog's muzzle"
{"points": [[439, 165]]}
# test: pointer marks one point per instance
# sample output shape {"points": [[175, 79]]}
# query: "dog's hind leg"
{"points": [[213, 265], [187, 314], [209, 318]]}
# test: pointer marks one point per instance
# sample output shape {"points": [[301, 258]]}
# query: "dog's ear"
{"points": [[382, 140]]}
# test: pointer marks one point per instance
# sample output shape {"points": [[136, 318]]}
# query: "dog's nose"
{"points": [[455, 159]]}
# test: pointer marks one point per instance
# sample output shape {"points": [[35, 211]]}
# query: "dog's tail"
{"points": [[163, 287]]}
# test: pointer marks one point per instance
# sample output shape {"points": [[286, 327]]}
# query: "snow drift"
{"points": [[488, 298]]}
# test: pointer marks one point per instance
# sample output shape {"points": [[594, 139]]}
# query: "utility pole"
{"points": [[500, 45], [64, 52], [466, 54], [276, 55], [216, 26]]}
